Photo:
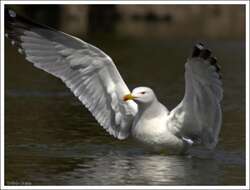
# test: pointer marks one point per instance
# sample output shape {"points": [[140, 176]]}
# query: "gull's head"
{"points": [[141, 95]]}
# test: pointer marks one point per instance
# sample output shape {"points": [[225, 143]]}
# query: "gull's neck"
{"points": [[152, 109]]}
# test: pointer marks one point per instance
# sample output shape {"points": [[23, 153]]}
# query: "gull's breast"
{"points": [[154, 133]]}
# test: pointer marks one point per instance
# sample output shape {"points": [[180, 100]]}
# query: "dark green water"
{"points": [[50, 138]]}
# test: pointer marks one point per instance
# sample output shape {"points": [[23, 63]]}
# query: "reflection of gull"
{"points": [[92, 76], [139, 170], [123, 168]]}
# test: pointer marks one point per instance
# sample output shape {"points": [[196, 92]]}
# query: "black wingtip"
{"points": [[200, 51], [200, 44], [205, 53], [9, 18], [9, 14], [197, 49], [213, 61]]}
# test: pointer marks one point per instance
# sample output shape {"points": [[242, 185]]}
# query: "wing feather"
{"points": [[89, 73], [198, 116]]}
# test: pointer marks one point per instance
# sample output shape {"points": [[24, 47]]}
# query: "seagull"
{"points": [[93, 78]]}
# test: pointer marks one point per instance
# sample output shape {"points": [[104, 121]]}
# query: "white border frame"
{"points": [[246, 3]]}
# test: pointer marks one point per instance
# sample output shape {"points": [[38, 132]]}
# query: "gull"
{"points": [[94, 79]]}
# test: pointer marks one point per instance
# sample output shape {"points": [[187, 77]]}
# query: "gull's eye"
{"points": [[143, 92]]}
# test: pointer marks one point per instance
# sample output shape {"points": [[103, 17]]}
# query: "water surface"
{"points": [[51, 139]]}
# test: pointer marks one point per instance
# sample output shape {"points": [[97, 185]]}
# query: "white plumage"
{"points": [[94, 79]]}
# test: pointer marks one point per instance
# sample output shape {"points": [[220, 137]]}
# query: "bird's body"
{"points": [[94, 79], [150, 127]]}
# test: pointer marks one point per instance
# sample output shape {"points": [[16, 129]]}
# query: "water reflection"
{"points": [[109, 164], [147, 169]]}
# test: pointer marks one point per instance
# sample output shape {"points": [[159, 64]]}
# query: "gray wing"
{"points": [[89, 73], [198, 116]]}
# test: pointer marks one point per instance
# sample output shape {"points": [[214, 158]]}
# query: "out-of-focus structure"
{"points": [[210, 21]]}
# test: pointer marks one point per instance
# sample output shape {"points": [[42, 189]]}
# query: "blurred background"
{"points": [[51, 139], [168, 21]]}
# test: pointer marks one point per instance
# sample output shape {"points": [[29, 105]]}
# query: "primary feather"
{"points": [[198, 116], [89, 73]]}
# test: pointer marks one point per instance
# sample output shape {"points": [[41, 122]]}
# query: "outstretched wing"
{"points": [[198, 116], [89, 73]]}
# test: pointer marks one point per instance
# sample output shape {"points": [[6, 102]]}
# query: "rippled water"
{"points": [[50, 138]]}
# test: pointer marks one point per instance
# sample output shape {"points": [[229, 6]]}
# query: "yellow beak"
{"points": [[128, 97]]}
